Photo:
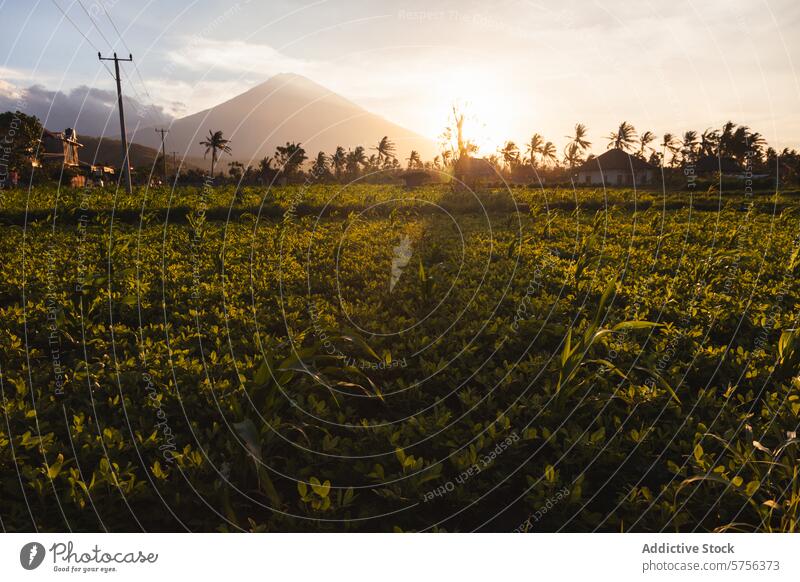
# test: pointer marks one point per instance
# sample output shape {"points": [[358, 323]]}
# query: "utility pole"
{"points": [[124, 136], [163, 132]]}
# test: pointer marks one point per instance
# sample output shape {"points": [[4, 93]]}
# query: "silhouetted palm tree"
{"points": [[572, 155], [510, 154], [338, 161], [644, 143], [709, 142], [669, 145], [290, 157], [689, 145], [414, 160], [320, 167], [579, 139], [548, 152], [534, 148], [623, 138], [356, 159], [215, 142], [385, 149]]}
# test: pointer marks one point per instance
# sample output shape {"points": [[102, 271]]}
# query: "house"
{"points": [[60, 148], [615, 168]]}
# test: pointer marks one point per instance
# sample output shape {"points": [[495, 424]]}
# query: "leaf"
{"points": [[55, 468], [262, 375], [752, 487], [633, 325], [698, 452]]}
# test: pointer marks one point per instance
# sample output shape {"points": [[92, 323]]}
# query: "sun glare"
{"points": [[489, 115]]}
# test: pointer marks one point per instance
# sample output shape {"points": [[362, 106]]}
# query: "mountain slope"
{"points": [[285, 108]]}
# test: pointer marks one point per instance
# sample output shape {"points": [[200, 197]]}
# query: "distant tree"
{"points": [[534, 148], [266, 173], [214, 143], [549, 152], [356, 159], [572, 155], [577, 146], [579, 139], [19, 138], [623, 138], [338, 161], [236, 171], [669, 144], [644, 144], [464, 147], [414, 160], [319, 169], [385, 149], [290, 158], [510, 154], [689, 146], [709, 142]]}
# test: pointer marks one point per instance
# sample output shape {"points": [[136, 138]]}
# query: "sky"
{"points": [[517, 67]]}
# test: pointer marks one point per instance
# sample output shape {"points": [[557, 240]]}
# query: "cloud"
{"points": [[90, 111], [204, 54]]}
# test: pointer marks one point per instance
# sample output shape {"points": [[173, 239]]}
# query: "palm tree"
{"points": [[290, 157], [338, 161], [644, 143], [623, 138], [355, 160], [414, 160], [579, 139], [573, 151], [510, 154], [548, 152], [533, 148], [709, 141], [215, 142], [689, 145], [669, 144], [320, 167], [572, 155], [385, 149]]}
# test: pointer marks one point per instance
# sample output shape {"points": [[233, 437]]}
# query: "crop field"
{"points": [[375, 359]]}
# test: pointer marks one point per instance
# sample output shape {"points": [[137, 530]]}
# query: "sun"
{"points": [[479, 94]]}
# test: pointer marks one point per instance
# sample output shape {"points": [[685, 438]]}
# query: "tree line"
{"points": [[20, 134]]}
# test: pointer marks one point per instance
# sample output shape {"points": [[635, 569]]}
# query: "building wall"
{"points": [[613, 178]]}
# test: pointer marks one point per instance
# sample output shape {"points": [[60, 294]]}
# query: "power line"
{"points": [[86, 38], [91, 19], [111, 46], [124, 44]]}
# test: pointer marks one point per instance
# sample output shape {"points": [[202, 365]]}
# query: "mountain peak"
{"points": [[288, 107]]}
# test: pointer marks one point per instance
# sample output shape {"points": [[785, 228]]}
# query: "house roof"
{"points": [[615, 159]]}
